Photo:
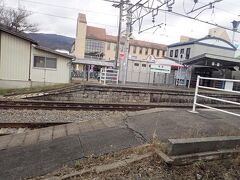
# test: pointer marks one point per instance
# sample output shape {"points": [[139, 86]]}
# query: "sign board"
{"points": [[121, 55], [160, 68], [150, 58], [228, 86]]}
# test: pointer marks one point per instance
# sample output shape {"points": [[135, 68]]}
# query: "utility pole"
{"points": [[120, 5], [126, 44]]}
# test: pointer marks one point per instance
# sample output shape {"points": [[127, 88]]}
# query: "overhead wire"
{"points": [[64, 7], [57, 16]]}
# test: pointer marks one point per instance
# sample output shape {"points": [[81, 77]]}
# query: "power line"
{"points": [[64, 7], [62, 17]]}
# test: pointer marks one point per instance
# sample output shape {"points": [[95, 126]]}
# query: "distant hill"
{"points": [[53, 41]]}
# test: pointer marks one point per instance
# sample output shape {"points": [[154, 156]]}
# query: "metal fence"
{"points": [[109, 76], [228, 86], [77, 74]]}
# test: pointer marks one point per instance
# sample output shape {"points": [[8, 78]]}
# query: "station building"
{"points": [[23, 63], [94, 48], [208, 57]]}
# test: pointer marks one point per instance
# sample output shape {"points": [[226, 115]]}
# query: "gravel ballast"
{"points": [[12, 115]]}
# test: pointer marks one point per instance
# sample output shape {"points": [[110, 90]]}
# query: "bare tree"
{"points": [[16, 20]]}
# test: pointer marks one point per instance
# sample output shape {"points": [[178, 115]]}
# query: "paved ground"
{"points": [[40, 151], [179, 123]]}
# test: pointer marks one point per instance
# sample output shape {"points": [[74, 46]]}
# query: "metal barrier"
{"points": [[109, 76], [228, 87]]}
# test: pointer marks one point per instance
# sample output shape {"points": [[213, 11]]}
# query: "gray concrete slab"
{"points": [[31, 137], [24, 161], [39, 158], [17, 140], [107, 140], [46, 134], [59, 131], [72, 129], [5, 141], [180, 123]]}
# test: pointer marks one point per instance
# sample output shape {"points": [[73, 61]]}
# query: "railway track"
{"points": [[60, 105], [50, 105]]}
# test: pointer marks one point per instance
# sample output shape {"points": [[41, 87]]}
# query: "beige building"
{"points": [[220, 33], [94, 42], [23, 63]]}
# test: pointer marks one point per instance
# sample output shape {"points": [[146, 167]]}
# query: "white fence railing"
{"points": [[228, 87], [109, 76]]}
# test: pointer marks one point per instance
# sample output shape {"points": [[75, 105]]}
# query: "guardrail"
{"points": [[227, 87], [109, 76]]}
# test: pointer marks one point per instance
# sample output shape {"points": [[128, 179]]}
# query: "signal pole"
{"points": [[120, 5], [126, 44]]}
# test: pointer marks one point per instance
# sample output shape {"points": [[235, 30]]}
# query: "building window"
{"points": [[152, 51], [140, 50], [108, 46], [44, 62], [134, 49], [94, 48], [182, 51], [146, 51], [188, 53], [163, 53], [176, 53], [136, 64], [158, 52], [171, 53], [144, 65]]}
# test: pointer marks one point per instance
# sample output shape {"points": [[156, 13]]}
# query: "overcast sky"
{"points": [[59, 17]]}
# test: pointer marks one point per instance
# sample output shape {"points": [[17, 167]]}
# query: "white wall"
{"points": [[59, 75], [201, 49], [15, 58], [192, 52]]}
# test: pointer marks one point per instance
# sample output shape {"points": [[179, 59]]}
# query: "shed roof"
{"points": [[17, 34], [211, 56], [54, 52], [198, 40]]}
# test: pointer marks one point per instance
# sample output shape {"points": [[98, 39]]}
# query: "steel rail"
{"points": [[63, 105]]}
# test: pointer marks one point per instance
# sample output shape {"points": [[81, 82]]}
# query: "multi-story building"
{"points": [[209, 56], [94, 42]]}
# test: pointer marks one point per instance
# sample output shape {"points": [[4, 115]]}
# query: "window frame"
{"points": [[158, 52], [136, 64], [152, 51], [45, 62], [146, 51], [163, 53], [140, 50], [134, 49], [176, 53], [188, 52], [171, 53]]}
